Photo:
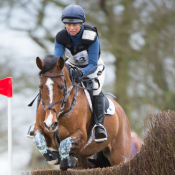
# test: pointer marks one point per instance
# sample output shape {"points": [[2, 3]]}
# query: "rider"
{"points": [[79, 44]]}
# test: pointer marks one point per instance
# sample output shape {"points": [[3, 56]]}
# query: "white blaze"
{"points": [[49, 84], [49, 120]]}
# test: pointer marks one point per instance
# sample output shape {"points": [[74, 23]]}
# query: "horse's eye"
{"points": [[40, 87], [61, 87]]}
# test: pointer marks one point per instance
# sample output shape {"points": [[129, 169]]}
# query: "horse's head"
{"points": [[52, 87]]}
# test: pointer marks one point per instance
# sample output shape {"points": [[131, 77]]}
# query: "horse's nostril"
{"points": [[54, 125]]}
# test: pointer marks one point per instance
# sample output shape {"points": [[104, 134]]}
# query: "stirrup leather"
{"points": [[92, 132]]}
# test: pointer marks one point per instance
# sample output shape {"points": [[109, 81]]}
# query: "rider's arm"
{"points": [[93, 54], [59, 50]]}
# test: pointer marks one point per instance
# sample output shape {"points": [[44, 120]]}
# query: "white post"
{"points": [[9, 136]]}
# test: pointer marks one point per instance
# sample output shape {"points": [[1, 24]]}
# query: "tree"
{"points": [[139, 34]]}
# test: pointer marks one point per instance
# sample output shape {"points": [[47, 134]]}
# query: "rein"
{"points": [[66, 94], [67, 91], [84, 77]]}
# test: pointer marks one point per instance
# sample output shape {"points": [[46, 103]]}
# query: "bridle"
{"points": [[63, 100], [50, 105]]}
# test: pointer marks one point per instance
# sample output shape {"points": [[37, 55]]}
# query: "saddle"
{"points": [[88, 90]]}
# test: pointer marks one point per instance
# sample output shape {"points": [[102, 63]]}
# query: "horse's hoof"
{"points": [[64, 165], [63, 168], [73, 161], [68, 162]]}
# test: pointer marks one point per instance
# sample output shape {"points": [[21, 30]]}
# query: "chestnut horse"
{"points": [[63, 122]]}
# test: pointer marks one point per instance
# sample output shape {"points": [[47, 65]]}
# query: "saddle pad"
{"points": [[110, 109]]}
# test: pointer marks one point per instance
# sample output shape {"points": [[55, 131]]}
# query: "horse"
{"points": [[63, 121]]}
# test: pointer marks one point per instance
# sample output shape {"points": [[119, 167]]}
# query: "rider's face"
{"points": [[73, 29]]}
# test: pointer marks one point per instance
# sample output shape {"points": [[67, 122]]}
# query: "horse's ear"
{"points": [[39, 63], [60, 63]]}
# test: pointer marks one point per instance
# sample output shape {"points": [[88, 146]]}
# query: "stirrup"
{"points": [[92, 132], [31, 131]]}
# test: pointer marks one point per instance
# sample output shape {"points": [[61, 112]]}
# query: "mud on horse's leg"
{"points": [[51, 156], [67, 161]]}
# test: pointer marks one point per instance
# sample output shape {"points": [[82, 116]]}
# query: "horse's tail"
{"points": [[101, 160]]}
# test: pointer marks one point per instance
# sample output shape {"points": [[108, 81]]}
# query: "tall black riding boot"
{"points": [[99, 114]]}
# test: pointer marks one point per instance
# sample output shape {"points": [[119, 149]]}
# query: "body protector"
{"points": [[78, 55]]}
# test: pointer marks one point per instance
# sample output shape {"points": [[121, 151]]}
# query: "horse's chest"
{"points": [[54, 143]]}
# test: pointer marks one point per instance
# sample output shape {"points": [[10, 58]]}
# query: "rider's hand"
{"points": [[77, 74]]}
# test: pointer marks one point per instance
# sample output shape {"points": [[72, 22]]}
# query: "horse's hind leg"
{"points": [[116, 157], [118, 154], [102, 158], [86, 162]]}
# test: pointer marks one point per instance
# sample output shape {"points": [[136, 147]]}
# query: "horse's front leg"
{"points": [[68, 146], [51, 156]]}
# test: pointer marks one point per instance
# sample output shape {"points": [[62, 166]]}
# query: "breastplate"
{"points": [[81, 59]]}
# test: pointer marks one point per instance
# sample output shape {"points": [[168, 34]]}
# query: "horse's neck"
{"points": [[66, 76], [68, 86], [81, 100]]}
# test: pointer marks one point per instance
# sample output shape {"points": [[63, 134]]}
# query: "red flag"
{"points": [[6, 87]]}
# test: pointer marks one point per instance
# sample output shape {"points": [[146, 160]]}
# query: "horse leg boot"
{"points": [[66, 160], [51, 156], [99, 114]]}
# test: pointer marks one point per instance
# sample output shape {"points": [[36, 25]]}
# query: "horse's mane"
{"points": [[49, 63]]}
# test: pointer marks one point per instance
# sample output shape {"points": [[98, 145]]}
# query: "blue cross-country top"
{"points": [[93, 50]]}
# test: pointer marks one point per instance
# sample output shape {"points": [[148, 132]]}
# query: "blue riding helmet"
{"points": [[73, 14]]}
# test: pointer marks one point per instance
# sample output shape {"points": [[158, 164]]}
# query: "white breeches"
{"points": [[101, 77]]}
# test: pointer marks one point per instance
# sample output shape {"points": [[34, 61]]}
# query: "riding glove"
{"points": [[77, 74]]}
